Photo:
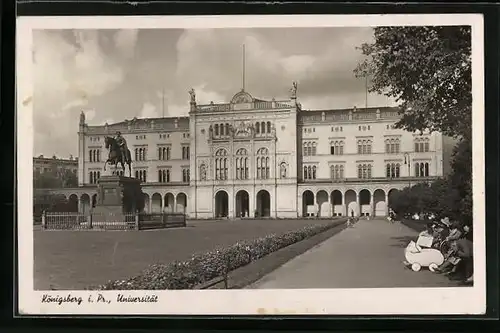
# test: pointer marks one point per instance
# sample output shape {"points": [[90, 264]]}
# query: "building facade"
{"points": [[257, 158], [43, 164]]}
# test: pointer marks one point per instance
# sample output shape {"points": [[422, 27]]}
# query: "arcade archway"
{"points": [[351, 204], [221, 204], [307, 200], [263, 204], [242, 204], [365, 202], [337, 205], [323, 204], [380, 204]]}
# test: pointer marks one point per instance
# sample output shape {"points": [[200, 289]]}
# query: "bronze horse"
{"points": [[115, 155]]}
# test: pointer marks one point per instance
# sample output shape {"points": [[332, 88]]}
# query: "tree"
{"points": [[427, 70], [55, 179]]}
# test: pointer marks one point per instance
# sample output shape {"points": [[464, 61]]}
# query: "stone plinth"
{"points": [[117, 195]]}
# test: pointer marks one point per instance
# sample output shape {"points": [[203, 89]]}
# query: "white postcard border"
{"points": [[393, 301]]}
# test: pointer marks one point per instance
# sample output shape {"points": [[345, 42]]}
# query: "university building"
{"points": [[256, 158]]}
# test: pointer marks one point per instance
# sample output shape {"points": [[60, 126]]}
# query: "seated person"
{"points": [[455, 232], [464, 265]]}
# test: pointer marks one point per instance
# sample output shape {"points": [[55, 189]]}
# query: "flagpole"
{"points": [[163, 102], [243, 77]]}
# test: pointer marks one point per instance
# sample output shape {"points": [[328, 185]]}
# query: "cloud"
{"points": [[71, 69], [149, 111], [121, 74], [125, 41]]}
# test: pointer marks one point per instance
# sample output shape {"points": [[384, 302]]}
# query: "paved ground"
{"points": [[76, 259], [368, 255]]}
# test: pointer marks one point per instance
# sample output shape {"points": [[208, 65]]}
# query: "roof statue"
{"points": [[193, 95], [294, 89]]}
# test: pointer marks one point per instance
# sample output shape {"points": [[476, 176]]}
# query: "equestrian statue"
{"points": [[118, 152]]}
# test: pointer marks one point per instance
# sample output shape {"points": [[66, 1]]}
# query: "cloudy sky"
{"points": [[120, 74]]}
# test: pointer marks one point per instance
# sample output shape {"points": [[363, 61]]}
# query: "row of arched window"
{"points": [[164, 176], [263, 127], [392, 170], [94, 176], [163, 153], [364, 146], [221, 165], [94, 155], [310, 172], [337, 172], [421, 169], [337, 147], [221, 130], [141, 174], [364, 171], [392, 146], [309, 148], [141, 154], [241, 164], [422, 145], [262, 165]]}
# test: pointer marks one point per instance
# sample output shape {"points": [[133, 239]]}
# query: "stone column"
{"points": [[372, 204], [330, 204], [387, 204], [358, 204]]}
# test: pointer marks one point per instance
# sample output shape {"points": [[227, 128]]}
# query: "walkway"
{"points": [[367, 255]]}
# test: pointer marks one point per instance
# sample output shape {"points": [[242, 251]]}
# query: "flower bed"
{"points": [[206, 266]]}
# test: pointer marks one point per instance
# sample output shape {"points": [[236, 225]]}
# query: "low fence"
{"points": [[128, 221]]}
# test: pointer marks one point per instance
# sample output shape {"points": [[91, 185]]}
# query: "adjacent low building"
{"points": [[266, 158]]}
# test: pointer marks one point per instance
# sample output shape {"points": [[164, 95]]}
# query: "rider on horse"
{"points": [[122, 143]]}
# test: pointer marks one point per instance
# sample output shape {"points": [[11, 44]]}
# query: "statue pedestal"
{"points": [[117, 196]]}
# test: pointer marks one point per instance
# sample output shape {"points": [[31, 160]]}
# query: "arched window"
{"points": [[263, 127], [268, 127], [314, 149], [360, 171], [314, 172], [242, 164], [221, 164], [426, 170], [91, 177], [257, 128], [305, 172], [216, 129], [262, 164]]}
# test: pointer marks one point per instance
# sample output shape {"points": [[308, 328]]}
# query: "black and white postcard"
{"points": [[257, 165]]}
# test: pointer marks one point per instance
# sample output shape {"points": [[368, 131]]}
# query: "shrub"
{"points": [[206, 266]]}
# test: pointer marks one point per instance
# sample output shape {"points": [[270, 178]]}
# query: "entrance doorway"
{"points": [[263, 204], [221, 204], [242, 204]]}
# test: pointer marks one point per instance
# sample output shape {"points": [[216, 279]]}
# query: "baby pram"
{"points": [[420, 254]]}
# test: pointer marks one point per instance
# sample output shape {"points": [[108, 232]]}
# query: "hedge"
{"points": [[206, 266]]}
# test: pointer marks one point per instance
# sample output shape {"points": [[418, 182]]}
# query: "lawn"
{"points": [[76, 259]]}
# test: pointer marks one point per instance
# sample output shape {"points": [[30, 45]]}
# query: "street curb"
{"points": [[254, 271]]}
